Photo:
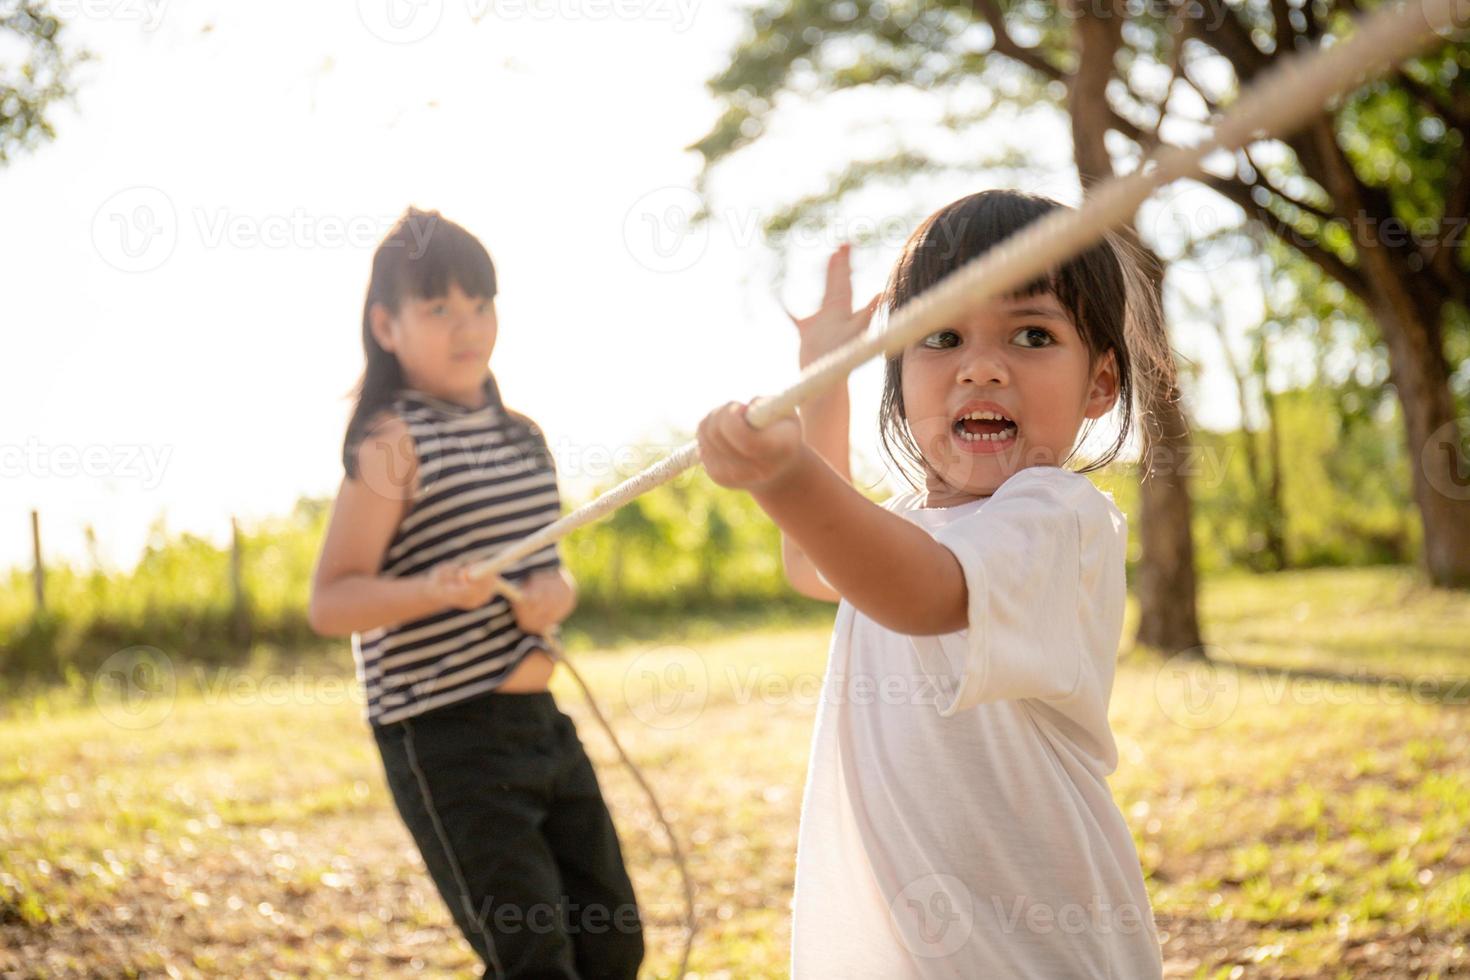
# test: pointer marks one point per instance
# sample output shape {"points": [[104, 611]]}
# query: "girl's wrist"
{"points": [[426, 594], [791, 475]]}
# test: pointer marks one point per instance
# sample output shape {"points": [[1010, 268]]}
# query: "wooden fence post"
{"points": [[39, 569], [237, 585]]}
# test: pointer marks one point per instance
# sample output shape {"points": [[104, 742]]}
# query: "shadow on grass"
{"points": [[1425, 688]]}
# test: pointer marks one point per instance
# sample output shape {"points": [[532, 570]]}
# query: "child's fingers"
{"points": [[714, 447], [838, 292], [727, 426], [757, 444]]}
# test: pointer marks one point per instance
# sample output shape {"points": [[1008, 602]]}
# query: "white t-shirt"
{"points": [[956, 820]]}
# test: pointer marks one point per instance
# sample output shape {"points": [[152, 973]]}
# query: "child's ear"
{"points": [[379, 321], [1104, 391]]}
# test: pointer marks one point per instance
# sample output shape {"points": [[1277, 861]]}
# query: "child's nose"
{"points": [[985, 364]]}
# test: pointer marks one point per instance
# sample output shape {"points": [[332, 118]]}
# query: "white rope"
{"points": [[1282, 99]]}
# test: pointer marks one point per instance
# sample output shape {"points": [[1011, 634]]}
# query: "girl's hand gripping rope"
{"points": [[451, 585], [742, 457], [541, 602]]}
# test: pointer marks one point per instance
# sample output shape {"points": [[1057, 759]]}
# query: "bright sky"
{"points": [[185, 263]]}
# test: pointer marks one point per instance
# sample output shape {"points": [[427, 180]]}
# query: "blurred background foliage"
{"points": [[691, 549]]}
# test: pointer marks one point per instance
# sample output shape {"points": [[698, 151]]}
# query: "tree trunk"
{"points": [[1407, 304], [1275, 507], [1436, 442], [1168, 618], [1166, 587]]}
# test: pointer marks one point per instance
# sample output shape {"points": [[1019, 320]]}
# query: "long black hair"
{"points": [[1104, 290], [418, 259]]}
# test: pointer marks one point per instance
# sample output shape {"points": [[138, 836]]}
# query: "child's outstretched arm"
{"points": [[889, 568], [825, 418]]}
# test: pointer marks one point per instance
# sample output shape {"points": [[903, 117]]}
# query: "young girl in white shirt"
{"points": [[956, 820]]}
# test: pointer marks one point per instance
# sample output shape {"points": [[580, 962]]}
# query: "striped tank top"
{"points": [[485, 480]]}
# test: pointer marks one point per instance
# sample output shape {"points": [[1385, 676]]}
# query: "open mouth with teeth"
{"points": [[985, 427]]}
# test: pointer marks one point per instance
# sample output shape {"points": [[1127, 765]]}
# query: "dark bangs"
{"points": [[423, 254]]}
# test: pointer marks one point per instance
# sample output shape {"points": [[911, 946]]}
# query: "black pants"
{"points": [[504, 805]]}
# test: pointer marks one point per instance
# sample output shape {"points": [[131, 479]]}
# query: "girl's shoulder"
{"points": [[1061, 486], [1049, 497]]}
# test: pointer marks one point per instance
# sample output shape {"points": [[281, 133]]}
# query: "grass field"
{"points": [[1308, 815]]}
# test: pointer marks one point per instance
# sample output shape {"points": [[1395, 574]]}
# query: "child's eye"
{"points": [[438, 309], [941, 339], [1035, 337]]}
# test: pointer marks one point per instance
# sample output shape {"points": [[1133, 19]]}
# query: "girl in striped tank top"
{"points": [[487, 773]]}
